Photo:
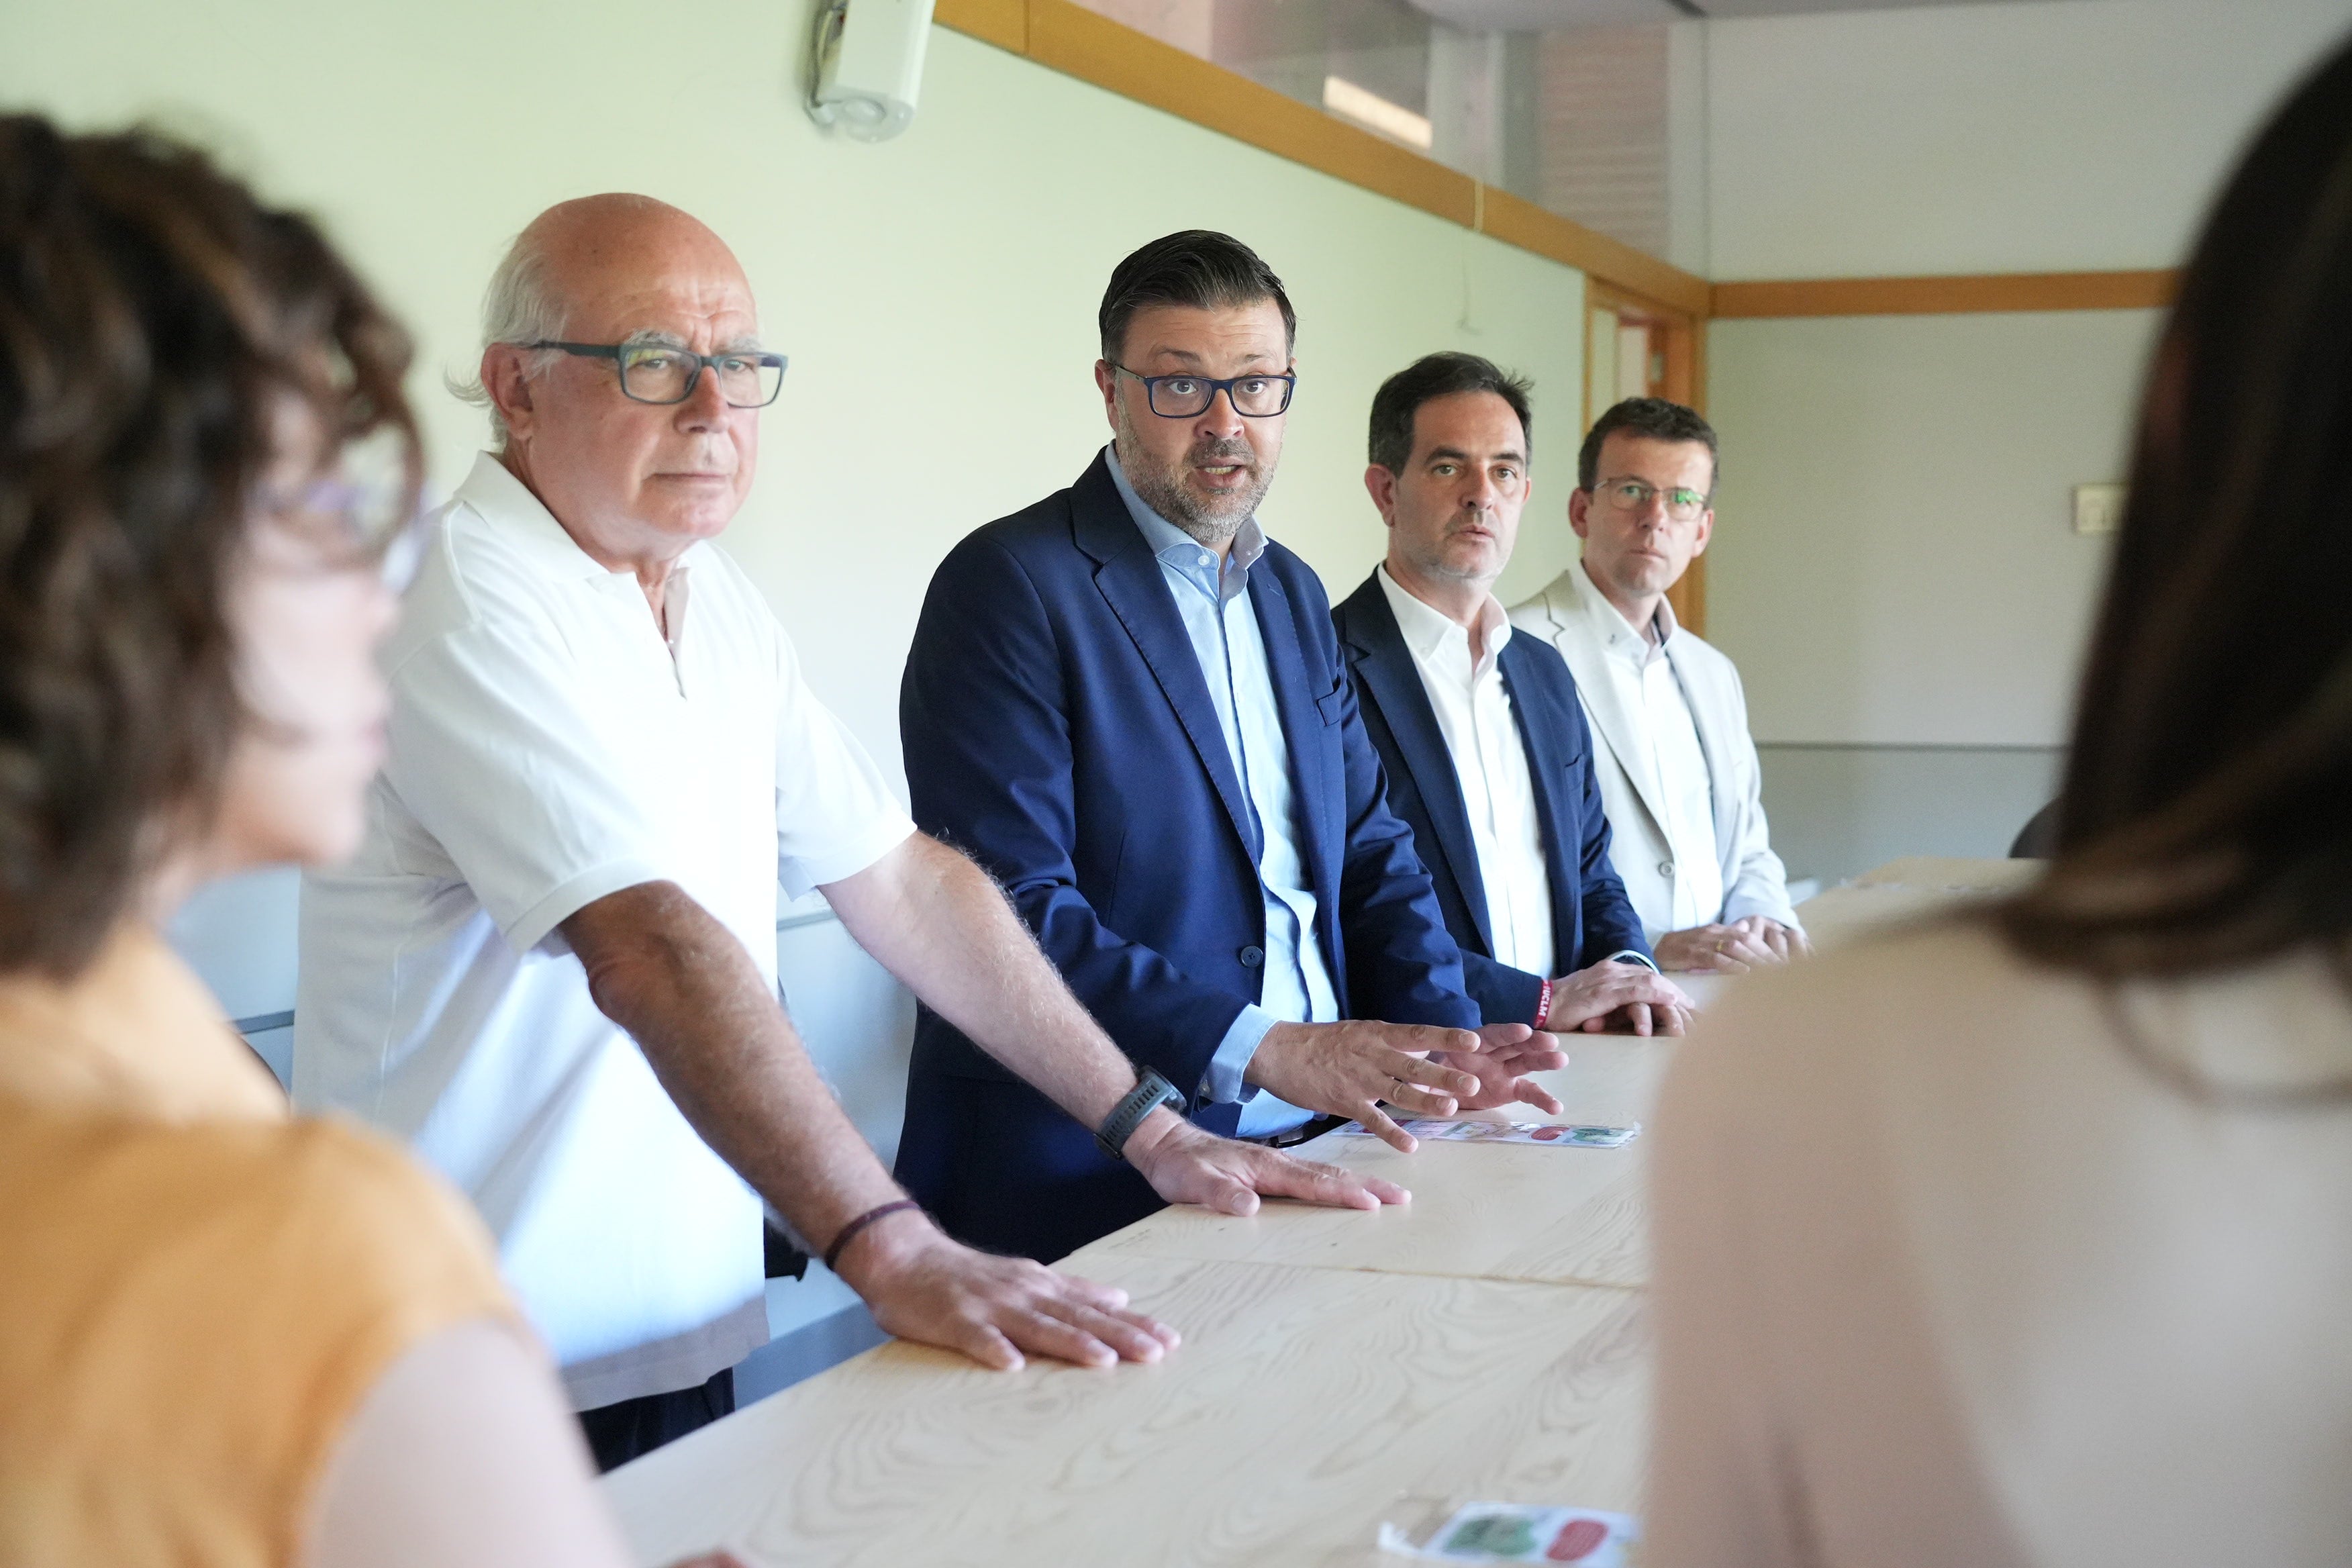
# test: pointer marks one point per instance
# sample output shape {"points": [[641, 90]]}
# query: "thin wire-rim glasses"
{"points": [[1632, 495], [768, 368]]}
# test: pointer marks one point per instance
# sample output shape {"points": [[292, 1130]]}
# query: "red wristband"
{"points": [[848, 1233], [1543, 1003]]}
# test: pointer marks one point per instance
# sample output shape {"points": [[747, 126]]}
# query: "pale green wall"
{"points": [[937, 294]]}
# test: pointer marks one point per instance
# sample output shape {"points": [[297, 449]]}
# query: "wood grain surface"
{"points": [[1306, 1406], [1340, 1369], [1498, 1212]]}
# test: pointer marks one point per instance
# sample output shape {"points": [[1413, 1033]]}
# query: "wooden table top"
{"points": [[1557, 1215], [1340, 1369], [1305, 1408]]}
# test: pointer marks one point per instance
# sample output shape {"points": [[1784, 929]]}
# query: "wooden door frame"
{"points": [[1684, 382]]}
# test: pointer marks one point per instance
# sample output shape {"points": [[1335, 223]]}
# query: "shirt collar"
{"points": [[1427, 629], [523, 521], [1176, 548], [1616, 632]]}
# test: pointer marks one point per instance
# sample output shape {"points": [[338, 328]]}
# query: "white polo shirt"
{"points": [[548, 747]]}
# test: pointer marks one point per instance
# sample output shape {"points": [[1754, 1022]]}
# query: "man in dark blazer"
{"points": [[1479, 732], [1128, 705]]}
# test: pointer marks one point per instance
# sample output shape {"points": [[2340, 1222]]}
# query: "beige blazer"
{"points": [[1754, 881]]}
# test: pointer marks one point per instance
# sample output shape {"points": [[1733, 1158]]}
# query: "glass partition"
{"points": [[1562, 102]]}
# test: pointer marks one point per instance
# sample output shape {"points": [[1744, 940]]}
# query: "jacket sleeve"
{"points": [[1504, 995], [1754, 880], [984, 722]]}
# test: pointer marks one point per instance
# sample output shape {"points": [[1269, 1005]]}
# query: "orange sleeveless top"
{"points": [[197, 1290]]}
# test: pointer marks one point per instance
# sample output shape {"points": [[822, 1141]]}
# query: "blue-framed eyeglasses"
{"points": [[658, 373], [1188, 397]]}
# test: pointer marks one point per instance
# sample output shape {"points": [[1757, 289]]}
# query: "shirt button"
{"points": [[1204, 558], [1665, 868], [1251, 957]]}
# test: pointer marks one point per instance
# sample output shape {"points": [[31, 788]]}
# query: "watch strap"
{"points": [[1150, 1092]]}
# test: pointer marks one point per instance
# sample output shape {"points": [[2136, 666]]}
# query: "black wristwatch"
{"points": [[1149, 1095]]}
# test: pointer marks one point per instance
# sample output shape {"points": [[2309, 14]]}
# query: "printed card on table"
{"points": [[1524, 1532], [1565, 1137]]}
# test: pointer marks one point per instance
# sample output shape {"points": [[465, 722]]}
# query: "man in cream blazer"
{"points": [[1678, 773]]}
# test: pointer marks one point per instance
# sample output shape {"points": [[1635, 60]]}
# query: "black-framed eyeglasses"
{"points": [[1632, 495], [1188, 397], [657, 373]]}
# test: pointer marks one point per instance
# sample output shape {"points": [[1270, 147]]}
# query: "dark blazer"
{"points": [[1592, 918], [1057, 727]]}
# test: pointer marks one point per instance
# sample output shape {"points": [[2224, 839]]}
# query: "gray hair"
{"points": [[519, 307]]}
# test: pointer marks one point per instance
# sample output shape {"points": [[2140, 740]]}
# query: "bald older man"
{"points": [[552, 966]]}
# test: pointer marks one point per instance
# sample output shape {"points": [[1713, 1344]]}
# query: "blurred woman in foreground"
{"points": [[2027, 1237], [226, 1336]]}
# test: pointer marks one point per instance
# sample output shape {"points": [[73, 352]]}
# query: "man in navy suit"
{"points": [[1479, 732], [1128, 705]]}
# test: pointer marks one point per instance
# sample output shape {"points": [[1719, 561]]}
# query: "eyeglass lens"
{"points": [[1184, 396], [652, 373], [1632, 495]]}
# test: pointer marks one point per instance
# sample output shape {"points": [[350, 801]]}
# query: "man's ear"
{"points": [[1380, 485], [1580, 510], [1106, 382], [1705, 533], [509, 389]]}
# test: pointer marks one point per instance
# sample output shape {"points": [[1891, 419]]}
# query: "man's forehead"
{"points": [[1624, 455], [1189, 335], [688, 305], [1477, 422]]}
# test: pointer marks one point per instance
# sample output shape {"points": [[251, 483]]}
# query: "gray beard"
{"points": [[1163, 492]]}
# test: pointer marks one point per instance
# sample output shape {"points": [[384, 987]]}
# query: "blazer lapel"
{"points": [[1386, 669], [1713, 745], [1302, 723], [1589, 662], [1128, 579]]}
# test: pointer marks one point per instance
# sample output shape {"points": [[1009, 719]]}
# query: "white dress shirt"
{"points": [[548, 746], [1647, 685], [1490, 759], [1214, 600]]}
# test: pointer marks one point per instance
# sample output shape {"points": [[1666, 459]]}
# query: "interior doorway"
{"points": [[1638, 348]]}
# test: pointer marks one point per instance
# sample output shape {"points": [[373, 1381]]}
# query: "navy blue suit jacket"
{"points": [[1058, 729], [1590, 915]]}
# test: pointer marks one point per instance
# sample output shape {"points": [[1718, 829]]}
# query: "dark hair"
{"points": [[2206, 817], [1198, 267], [153, 317], [1427, 379], [1655, 418]]}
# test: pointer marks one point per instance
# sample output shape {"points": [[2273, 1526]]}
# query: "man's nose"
{"points": [[705, 407], [1221, 418]]}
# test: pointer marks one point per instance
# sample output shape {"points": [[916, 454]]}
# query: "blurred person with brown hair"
{"points": [[227, 1335], [2021, 1238]]}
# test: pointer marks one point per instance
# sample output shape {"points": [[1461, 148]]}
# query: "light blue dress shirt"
{"points": [[1218, 617]]}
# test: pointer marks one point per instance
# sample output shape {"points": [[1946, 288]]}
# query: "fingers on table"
{"points": [[1331, 1185]]}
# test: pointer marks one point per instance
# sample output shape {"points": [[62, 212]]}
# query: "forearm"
{"points": [[936, 921], [686, 990]]}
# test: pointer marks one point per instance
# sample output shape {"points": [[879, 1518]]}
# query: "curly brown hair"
{"points": [[154, 319]]}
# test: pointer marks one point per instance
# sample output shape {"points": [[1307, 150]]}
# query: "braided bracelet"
{"points": [[848, 1233]]}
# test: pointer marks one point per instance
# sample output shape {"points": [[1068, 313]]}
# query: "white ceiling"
{"points": [[1553, 15]]}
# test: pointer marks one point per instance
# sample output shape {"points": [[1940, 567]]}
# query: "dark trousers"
{"points": [[619, 1433]]}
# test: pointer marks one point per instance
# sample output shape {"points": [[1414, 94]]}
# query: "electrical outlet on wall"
{"points": [[2098, 508]]}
